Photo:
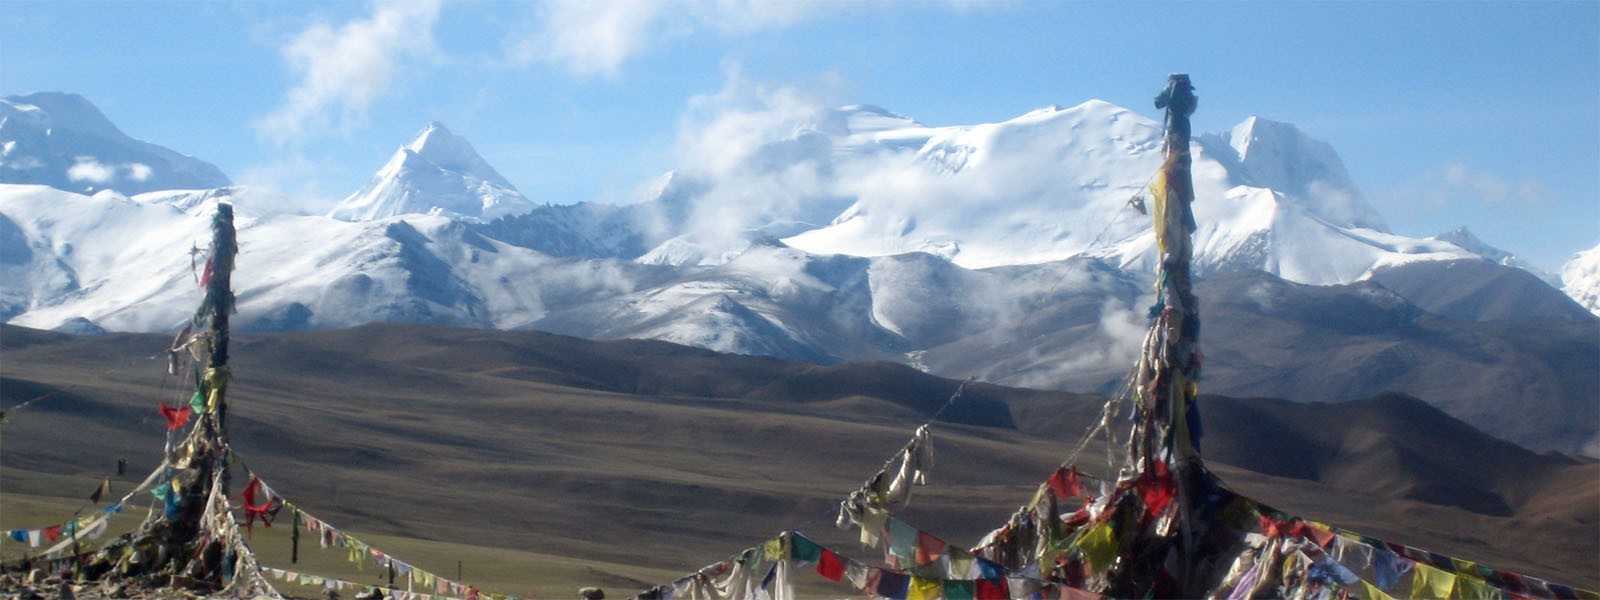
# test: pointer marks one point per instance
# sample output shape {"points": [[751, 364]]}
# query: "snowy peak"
{"points": [[452, 152], [62, 111], [1279, 156], [1465, 239], [64, 141], [1580, 279], [438, 173]]}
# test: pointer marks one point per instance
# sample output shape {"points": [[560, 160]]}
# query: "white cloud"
{"points": [[86, 168], [1451, 185], [138, 171], [290, 185], [595, 37], [755, 156], [344, 70]]}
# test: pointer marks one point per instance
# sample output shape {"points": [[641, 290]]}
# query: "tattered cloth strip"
{"points": [[266, 510], [890, 489]]}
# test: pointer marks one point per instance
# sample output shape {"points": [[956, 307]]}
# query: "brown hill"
{"points": [[665, 458]]}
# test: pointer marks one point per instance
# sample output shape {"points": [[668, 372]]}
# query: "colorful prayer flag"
{"points": [[1429, 582], [1065, 483], [175, 416], [829, 565]]}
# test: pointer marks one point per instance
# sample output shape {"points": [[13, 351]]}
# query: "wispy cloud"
{"points": [[1455, 185], [87, 169], [291, 184], [343, 70], [595, 37], [755, 156]]}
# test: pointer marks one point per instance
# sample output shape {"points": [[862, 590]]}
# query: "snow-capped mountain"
{"points": [[1580, 279], [438, 173], [1007, 250], [1460, 236], [63, 141], [1056, 183]]}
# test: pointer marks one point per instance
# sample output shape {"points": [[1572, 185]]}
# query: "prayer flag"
{"points": [[1157, 489], [902, 540], [52, 533], [100, 492], [805, 550], [929, 548], [991, 589], [924, 589], [175, 416], [893, 585], [1429, 582], [959, 590], [1099, 546], [1371, 592], [829, 565], [772, 549], [1065, 483], [1320, 533]]}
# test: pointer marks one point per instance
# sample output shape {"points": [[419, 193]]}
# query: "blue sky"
{"points": [[1484, 114]]}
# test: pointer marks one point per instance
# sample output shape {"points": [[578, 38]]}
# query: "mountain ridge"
{"points": [[64, 141]]}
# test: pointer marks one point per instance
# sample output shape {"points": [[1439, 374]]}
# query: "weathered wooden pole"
{"points": [[175, 541], [1164, 458]]}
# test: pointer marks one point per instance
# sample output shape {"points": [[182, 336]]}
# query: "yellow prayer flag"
{"points": [[1158, 193], [1371, 592], [1099, 546], [216, 384], [1428, 582], [925, 589], [1472, 588], [772, 549]]}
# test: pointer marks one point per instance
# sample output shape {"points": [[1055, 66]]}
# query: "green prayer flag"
{"points": [[1472, 588], [197, 403], [805, 551], [958, 590]]}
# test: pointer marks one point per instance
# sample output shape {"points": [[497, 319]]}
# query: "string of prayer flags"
{"points": [[359, 552]]}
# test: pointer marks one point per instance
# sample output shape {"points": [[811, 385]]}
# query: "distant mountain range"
{"points": [[1011, 251]]}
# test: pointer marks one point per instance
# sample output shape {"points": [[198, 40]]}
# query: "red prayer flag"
{"points": [[1322, 535], [176, 417], [991, 589], [1065, 483], [52, 532], [830, 566], [929, 548], [1269, 526], [1157, 489]]}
